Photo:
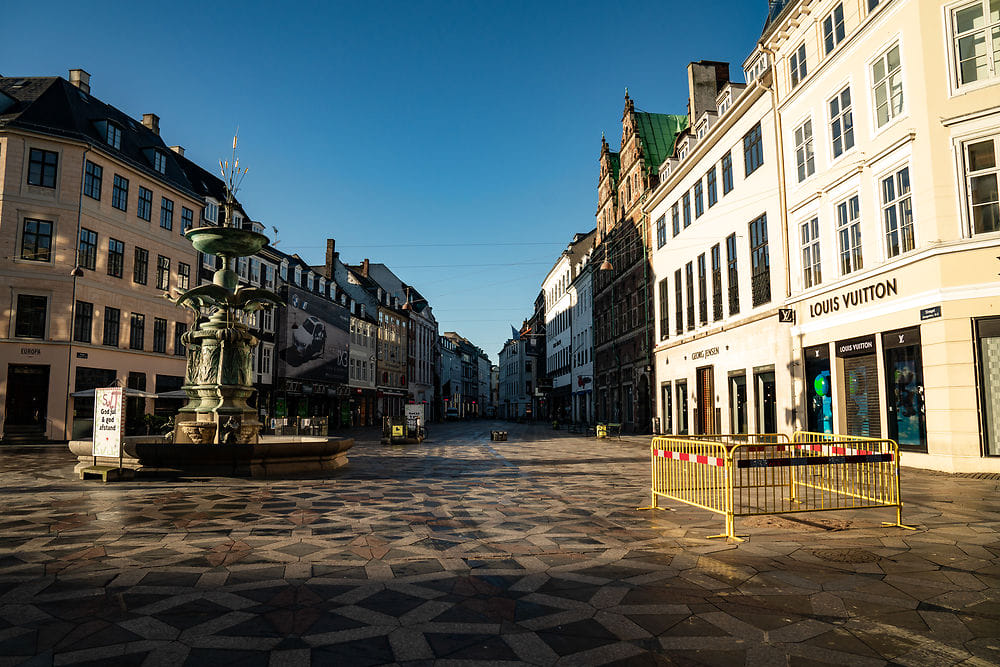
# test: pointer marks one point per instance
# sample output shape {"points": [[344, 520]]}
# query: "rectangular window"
{"points": [[887, 86], [897, 212], [112, 325], [119, 193], [686, 206], [664, 310], [83, 321], [162, 272], [36, 240], [841, 122], [753, 149], [805, 158], [166, 213], [140, 267], [976, 31], [159, 162], [144, 208], [833, 28], [811, 273], [682, 407], [661, 231], [734, 278], [187, 219], [93, 175], [699, 200], [849, 235], [702, 289], [981, 183], [159, 335], [689, 290], [137, 331], [675, 217], [797, 65], [180, 328], [113, 136], [727, 173], [183, 275], [678, 303], [712, 186], [760, 262], [42, 166], [716, 283], [116, 258], [30, 322], [87, 257]]}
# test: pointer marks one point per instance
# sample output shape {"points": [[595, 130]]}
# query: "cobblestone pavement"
{"points": [[464, 551]]}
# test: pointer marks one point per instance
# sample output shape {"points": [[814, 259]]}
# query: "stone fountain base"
{"points": [[272, 457]]}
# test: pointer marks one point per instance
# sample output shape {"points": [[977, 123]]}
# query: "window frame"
{"points": [[851, 254], [661, 231], [86, 257], [954, 65], [805, 151], [711, 187], [116, 321], [969, 175], [753, 149], [835, 37], [162, 272], [733, 274], [119, 193], [116, 258], [143, 265], [874, 85], [49, 255], [83, 322], [760, 262], [160, 335], [137, 331], [166, 214], [797, 68], [47, 163], [93, 180], [839, 120], [144, 204], [42, 324], [899, 206], [810, 246], [727, 173]]}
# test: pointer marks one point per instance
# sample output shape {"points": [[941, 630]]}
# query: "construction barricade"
{"points": [[740, 475]]}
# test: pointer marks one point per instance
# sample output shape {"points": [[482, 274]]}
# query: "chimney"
{"points": [[331, 257], [364, 268], [178, 149], [705, 79], [152, 121], [80, 78]]}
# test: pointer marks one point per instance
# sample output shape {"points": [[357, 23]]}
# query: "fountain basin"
{"points": [[226, 241], [272, 457]]}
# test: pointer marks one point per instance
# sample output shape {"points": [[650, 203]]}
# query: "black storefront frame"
{"points": [[907, 338], [992, 327]]}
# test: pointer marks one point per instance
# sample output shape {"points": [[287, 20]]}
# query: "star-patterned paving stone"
{"points": [[463, 551]]}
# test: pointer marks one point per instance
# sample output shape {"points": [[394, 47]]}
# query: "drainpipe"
{"points": [[76, 273]]}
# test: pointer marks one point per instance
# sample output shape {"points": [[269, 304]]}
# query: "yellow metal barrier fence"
{"points": [[766, 474], [739, 438]]}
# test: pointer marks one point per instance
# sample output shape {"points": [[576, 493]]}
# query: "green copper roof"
{"points": [[658, 132], [616, 165]]}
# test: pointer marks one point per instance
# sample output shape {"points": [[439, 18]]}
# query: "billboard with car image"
{"points": [[314, 338]]}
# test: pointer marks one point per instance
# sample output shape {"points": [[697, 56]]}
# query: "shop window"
{"points": [[765, 395], [738, 403], [819, 389], [860, 381], [988, 349], [682, 407], [904, 383]]}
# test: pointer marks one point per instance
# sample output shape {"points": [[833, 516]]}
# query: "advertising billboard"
{"points": [[314, 339]]}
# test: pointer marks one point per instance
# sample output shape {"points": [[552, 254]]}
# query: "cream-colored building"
{"points": [[93, 206], [890, 131], [721, 353]]}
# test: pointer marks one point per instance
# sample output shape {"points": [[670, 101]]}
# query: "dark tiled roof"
{"points": [[774, 10], [53, 106], [658, 133]]}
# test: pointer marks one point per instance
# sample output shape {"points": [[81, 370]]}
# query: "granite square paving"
{"points": [[463, 551]]}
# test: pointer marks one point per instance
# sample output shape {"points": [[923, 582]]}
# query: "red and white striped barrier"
{"points": [[691, 458]]}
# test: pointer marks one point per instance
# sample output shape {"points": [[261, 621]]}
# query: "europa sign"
{"points": [[108, 421], [853, 298]]}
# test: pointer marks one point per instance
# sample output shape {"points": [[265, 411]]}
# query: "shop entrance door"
{"points": [[738, 402], [988, 339], [27, 401], [905, 389], [861, 402], [767, 407], [667, 409], [706, 403]]}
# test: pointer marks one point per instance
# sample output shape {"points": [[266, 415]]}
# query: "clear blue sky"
{"points": [[456, 142]]}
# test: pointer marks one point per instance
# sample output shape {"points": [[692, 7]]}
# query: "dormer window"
{"points": [[702, 129], [159, 162], [211, 212], [322, 284], [682, 153], [283, 271], [114, 136], [298, 276], [725, 103]]}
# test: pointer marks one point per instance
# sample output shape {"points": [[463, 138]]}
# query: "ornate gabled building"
{"points": [[622, 297]]}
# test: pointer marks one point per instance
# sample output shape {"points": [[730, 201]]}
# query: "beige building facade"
{"points": [[890, 131], [92, 212]]}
